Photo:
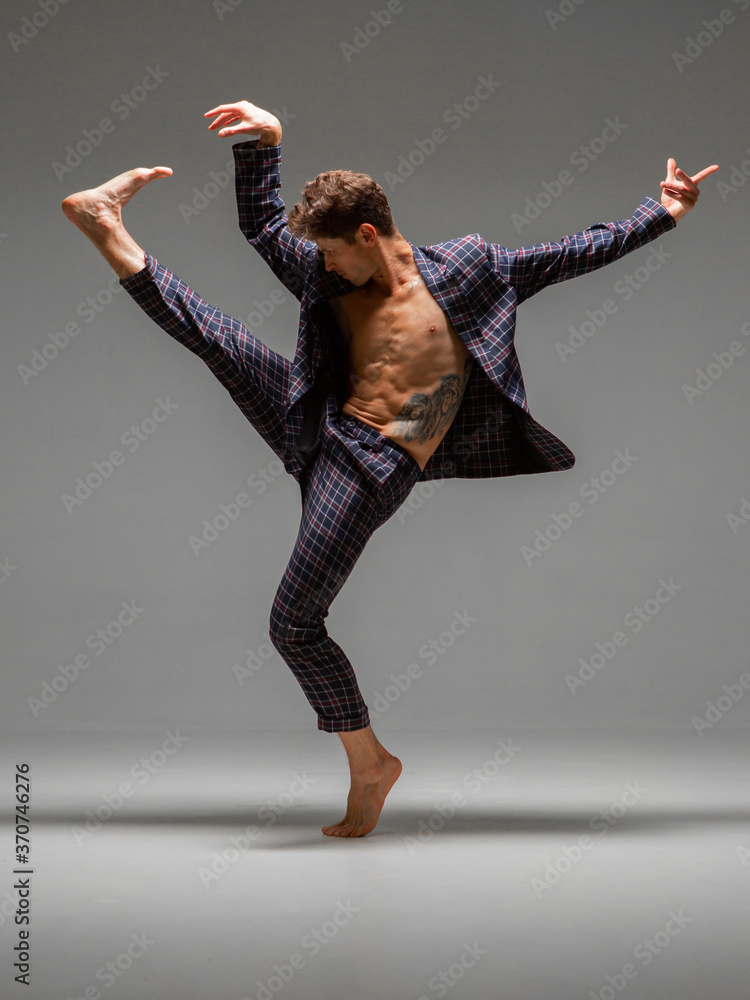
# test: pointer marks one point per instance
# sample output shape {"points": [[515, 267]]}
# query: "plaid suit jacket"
{"points": [[479, 285]]}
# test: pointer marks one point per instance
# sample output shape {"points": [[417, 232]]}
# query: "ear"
{"points": [[368, 233]]}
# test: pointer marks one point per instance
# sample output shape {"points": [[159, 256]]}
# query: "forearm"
{"points": [[530, 269], [262, 218]]}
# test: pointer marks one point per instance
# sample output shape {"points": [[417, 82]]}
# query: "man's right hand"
{"points": [[244, 118]]}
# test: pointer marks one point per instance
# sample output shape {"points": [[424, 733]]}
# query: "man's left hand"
{"points": [[679, 191]]}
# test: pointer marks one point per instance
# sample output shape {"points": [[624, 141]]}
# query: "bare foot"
{"points": [[102, 206], [366, 798], [98, 214]]}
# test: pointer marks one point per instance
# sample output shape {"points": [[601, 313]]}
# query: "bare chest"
{"points": [[407, 333]]}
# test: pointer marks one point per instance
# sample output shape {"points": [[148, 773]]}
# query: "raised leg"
{"points": [[98, 214], [256, 377]]}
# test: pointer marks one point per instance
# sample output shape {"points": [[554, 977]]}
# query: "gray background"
{"points": [[454, 549], [461, 549]]}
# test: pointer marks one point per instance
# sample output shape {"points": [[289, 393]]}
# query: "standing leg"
{"points": [[339, 515], [373, 773], [342, 509]]}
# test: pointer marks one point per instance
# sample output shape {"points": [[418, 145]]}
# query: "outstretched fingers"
{"points": [[697, 178], [226, 113], [678, 183], [245, 118]]}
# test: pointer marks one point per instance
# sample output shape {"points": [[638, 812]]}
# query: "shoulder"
{"points": [[465, 253]]}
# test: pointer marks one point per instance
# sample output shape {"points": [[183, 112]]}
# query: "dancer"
{"points": [[405, 371]]}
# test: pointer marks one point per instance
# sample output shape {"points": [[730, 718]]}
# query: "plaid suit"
{"points": [[479, 285], [341, 507], [352, 478]]}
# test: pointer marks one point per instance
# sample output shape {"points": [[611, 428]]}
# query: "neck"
{"points": [[395, 266]]}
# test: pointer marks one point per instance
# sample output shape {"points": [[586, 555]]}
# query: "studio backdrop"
{"points": [[145, 525]]}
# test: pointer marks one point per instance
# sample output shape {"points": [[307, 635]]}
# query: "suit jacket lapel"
{"points": [[314, 318], [445, 287]]}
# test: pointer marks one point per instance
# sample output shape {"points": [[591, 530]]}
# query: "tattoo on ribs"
{"points": [[424, 416]]}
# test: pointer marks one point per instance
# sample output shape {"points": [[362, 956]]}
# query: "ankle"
{"points": [[367, 774]]}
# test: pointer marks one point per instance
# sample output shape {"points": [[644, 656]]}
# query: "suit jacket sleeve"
{"points": [[262, 217], [530, 269]]}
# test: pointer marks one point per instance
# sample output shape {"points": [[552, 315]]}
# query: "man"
{"points": [[405, 370]]}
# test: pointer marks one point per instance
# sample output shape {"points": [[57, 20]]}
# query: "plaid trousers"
{"points": [[341, 506]]}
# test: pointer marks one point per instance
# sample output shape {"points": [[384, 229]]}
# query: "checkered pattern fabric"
{"points": [[351, 477], [342, 505], [478, 284], [256, 377], [341, 510]]}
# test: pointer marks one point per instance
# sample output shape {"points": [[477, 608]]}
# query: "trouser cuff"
{"points": [[328, 725]]}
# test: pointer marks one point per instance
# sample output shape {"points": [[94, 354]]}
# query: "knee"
{"points": [[288, 631]]}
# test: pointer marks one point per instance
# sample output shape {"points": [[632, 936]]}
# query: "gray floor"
{"points": [[570, 865]]}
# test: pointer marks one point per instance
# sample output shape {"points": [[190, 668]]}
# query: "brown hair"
{"points": [[335, 204]]}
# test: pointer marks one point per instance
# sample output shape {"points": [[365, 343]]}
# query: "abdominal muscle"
{"points": [[408, 367]]}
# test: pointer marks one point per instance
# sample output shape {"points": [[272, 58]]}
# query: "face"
{"points": [[352, 261]]}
